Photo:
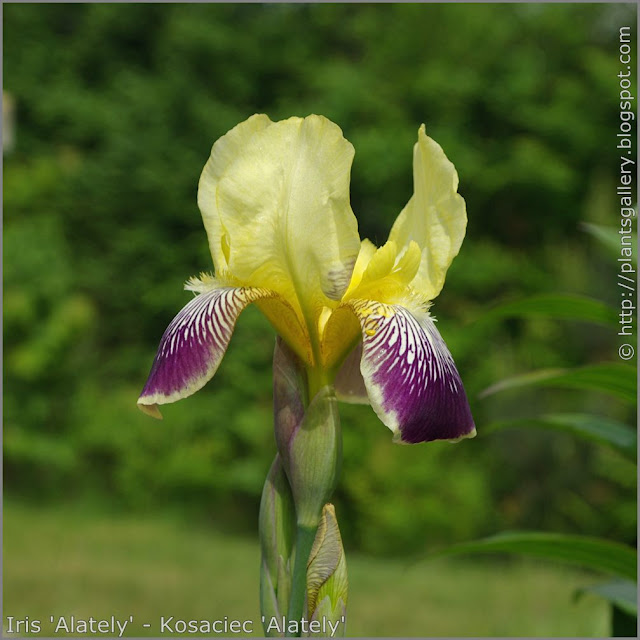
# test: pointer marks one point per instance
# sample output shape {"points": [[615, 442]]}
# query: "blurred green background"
{"points": [[116, 109]]}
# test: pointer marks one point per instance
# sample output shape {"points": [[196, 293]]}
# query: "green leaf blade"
{"points": [[600, 429], [620, 593], [591, 553], [561, 306], [609, 238], [613, 378]]}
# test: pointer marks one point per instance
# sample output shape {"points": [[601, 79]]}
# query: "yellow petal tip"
{"points": [[151, 410]]}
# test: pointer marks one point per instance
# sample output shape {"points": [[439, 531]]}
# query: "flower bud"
{"points": [[308, 437], [289, 395], [277, 535], [314, 454], [327, 574]]}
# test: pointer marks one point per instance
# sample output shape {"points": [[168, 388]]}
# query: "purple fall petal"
{"points": [[192, 347], [410, 376]]}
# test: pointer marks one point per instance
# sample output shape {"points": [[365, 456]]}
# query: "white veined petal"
{"points": [[410, 377], [193, 345]]}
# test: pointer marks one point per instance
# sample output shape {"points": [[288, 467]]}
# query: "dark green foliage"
{"points": [[117, 108], [597, 554]]}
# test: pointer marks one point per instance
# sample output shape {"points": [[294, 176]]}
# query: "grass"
{"points": [[65, 562]]}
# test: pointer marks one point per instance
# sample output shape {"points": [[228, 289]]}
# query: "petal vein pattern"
{"points": [[410, 376], [193, 345]]}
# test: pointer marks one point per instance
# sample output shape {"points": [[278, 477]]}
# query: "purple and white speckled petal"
{"points": [[193, 345], [410, 376]]}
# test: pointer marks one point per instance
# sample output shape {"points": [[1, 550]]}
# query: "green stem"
{"points": [[317, 378], [304, 542]]}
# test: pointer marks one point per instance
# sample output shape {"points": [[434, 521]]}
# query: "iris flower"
{"points": [[274, 198]]}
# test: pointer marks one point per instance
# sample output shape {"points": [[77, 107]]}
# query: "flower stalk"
{"points": [[309, 445]]}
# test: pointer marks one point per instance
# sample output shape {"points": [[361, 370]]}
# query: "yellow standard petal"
{"points": [[275, 201], [222, 156], [435, 218]]}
